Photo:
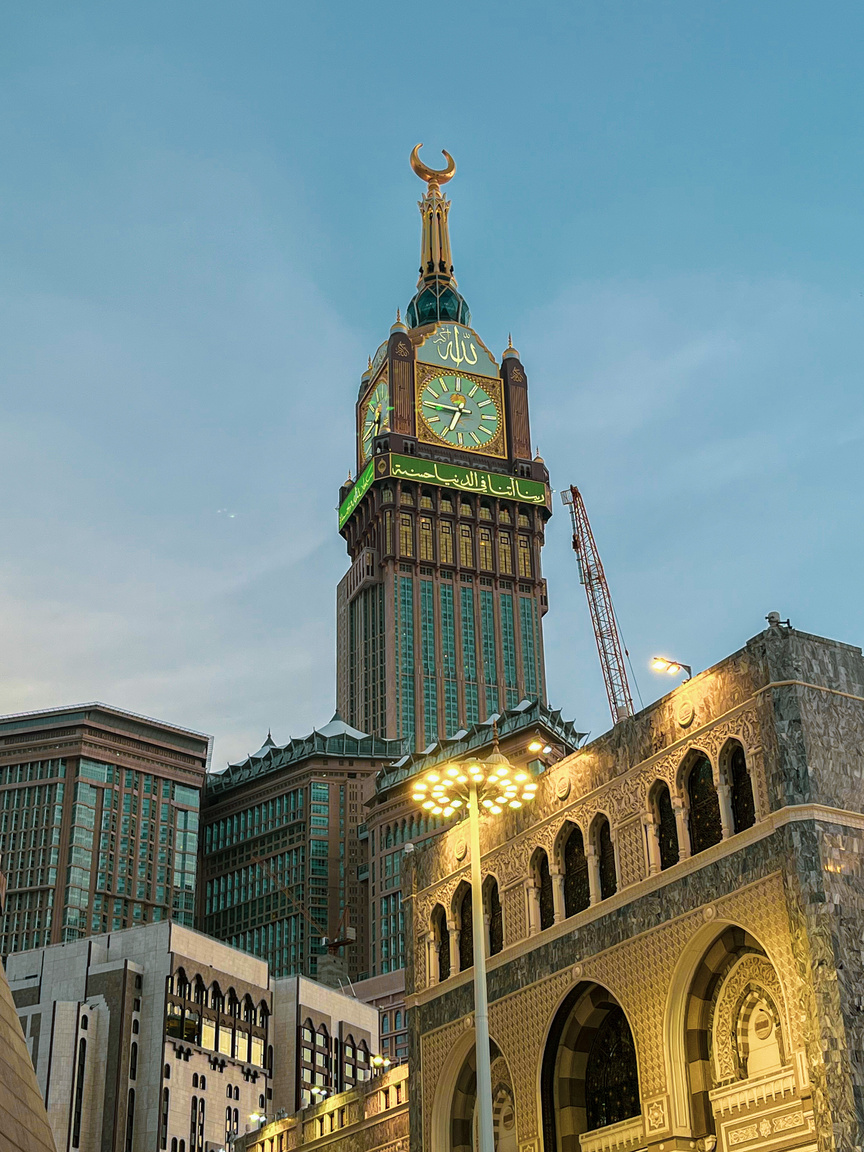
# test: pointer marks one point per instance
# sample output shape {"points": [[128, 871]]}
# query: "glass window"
{"points": [[466, 545], [445, 542], [505, 554], [406, 535]]}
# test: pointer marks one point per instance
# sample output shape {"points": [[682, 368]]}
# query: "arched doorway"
{"points": [[463, 1108], [589, 1075]]}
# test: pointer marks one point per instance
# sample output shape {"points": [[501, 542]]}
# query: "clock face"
{"points": [[460, 412], [376, 416]]}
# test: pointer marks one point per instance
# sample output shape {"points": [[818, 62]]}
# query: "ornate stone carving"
{"points": [[752, 971]]}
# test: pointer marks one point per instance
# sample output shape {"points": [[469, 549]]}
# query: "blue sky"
{"points": [[207, 221]]}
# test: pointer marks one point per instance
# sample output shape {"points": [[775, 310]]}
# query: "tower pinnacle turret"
{"points": [[437, 296]]}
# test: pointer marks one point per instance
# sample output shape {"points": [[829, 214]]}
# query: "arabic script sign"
{"points": [[445, 475], [356, 494], [454, 345]]}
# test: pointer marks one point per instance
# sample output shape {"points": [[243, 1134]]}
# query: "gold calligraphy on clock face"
{"points": [[461, 412], [375, 417]]}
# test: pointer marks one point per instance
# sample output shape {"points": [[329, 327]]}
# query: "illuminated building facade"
{"points": [[439, 616], [98, 822], [674, 932]]}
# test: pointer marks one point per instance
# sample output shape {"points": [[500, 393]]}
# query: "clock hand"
{"points": [[455, 420], [447, 407]]}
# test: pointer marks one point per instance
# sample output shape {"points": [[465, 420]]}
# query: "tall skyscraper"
{"points": [[439, 616], [98, 822]]}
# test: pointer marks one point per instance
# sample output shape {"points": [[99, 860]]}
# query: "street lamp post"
{"points": [[491, 784]]}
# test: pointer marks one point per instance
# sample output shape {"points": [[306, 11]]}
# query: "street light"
{"points": [[492, 784], [673, 667]]}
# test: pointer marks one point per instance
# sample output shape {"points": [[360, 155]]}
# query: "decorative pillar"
{"points": [[724, 796], [652, 843], [557, 891], [593, 873], [681, 826], [533, 901], [453, 933]]}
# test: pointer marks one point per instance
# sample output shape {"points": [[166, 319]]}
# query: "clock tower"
{"points": [[439, 616]]}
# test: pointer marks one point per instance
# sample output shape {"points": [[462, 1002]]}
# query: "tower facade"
{"points": [[439, 617]]}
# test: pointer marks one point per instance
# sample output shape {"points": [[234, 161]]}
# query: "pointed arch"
{"points": [[574, 861], [736, 772], [544, 893], [703, 804], [589, 1071], [665, 824]]}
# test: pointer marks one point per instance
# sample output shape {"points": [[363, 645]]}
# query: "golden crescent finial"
{"points": [[430, 175]]}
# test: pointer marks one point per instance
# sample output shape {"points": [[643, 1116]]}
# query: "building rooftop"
{"points": [[336, 738], [526, 714]]}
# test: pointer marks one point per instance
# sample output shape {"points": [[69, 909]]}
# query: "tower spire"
{"points": [[437, 297]]}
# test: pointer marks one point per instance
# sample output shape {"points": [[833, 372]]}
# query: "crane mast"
{"points": [[606, 632]]}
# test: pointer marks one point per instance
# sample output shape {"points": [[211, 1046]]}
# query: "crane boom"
{"points": [[606, 632]]}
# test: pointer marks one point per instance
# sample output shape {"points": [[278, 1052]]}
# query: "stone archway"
{"points": [[589, 1074]]}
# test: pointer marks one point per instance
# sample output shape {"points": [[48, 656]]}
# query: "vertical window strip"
{"points": [[490, 668], [427, 549], [445, 542], [508, 648], [469, 657], [406, 535], [505, 554], [448, 644], [529, 645], [466, 545], [406, 655], [427, 639], [525, 557]]}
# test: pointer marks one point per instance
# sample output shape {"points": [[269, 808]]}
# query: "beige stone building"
{"points": [[679, 958], [372, 1117]]}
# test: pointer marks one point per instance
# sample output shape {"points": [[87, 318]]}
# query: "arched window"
{"points": [[385, 1022], [611, 1076], [174, 1144], [194, 1079], [496, 920], [667, 829], [202, 1081], [167, 1071], [133, 1062], [706, 827], [606, 859], [135, 1027], [545, 898], [236, 1092], [229, 1092], [743, 807], [577, 889], [466, 921], [85, 1023], [236, 1121], [227, 1125], [441, 938]]}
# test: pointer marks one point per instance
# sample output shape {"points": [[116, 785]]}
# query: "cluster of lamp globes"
{"points": [[499, 785]]}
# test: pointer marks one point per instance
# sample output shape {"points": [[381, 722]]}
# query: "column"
{"points": [[681, 826], [557, 891], [593, 873], [724, 796], [652, 843], [453, 934]]}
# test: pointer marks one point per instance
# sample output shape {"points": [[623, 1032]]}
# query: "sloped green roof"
{"points": [[529, 713], [335, 739]]}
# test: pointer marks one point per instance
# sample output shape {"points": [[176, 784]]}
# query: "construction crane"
{"points": [[606, 631], [343, 937]]}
